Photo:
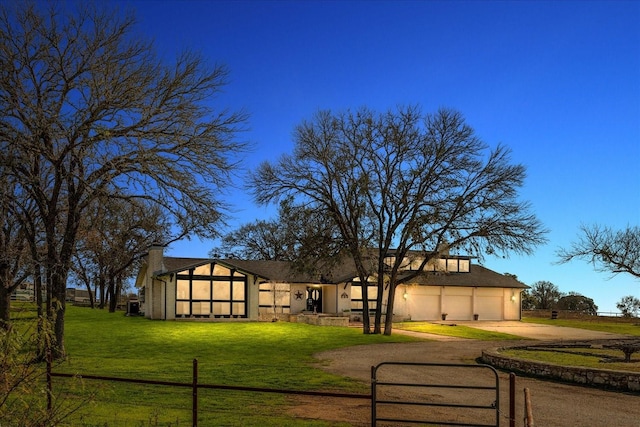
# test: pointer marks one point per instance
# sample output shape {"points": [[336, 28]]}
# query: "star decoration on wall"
{"points": [[298, 295]]}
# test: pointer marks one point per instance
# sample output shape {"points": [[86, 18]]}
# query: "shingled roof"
{"points": [[174, 264], [283, 271], [478, 276]]}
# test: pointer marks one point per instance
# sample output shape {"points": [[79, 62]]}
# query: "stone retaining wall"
{"points": [[320, 319], [602, 378]]}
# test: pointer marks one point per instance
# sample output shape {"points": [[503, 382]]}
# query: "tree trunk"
{"points": [[57, 269], [388, 322], [95, 287], [37, 288], [366, 322], [117, 291], [111, 291], [377, 328], [103, 293], [7, 286], [57, 308], [5, 307], [87, 283]]}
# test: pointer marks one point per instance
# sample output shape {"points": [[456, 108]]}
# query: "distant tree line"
{"points": [[544, 295]]}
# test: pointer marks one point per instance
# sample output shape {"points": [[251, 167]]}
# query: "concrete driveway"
{"points": [[537, 331]]}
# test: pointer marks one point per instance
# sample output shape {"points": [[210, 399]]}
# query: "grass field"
{"points": [[586, 357], [459, 331], [603, 324], [266, 355], [271, 355], [591, 358]]}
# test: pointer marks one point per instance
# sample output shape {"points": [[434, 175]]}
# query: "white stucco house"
{"points": [[173, 288]]}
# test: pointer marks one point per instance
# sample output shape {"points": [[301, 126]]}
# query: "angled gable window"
{"points": [[211, 290]]}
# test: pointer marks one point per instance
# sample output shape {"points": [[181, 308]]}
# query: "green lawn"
{"points": [[586, 357], [615, 326], [272, 355], [591, 358], [455, 331]]}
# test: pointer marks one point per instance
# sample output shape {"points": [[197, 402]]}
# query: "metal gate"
{"points": [[426, 393]]}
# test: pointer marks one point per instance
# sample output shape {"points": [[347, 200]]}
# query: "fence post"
{"points": [[528, 411], [373, 397], [512, 400], [194, 384]]}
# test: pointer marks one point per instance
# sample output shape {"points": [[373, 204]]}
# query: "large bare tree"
{"points": [[405, 181], [88, 110], [114, 235], [545, 294], [298, 234], [608, 250]]}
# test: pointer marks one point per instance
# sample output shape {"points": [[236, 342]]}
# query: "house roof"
{"points": [[478, 276], [283, 271], [174, 264]]}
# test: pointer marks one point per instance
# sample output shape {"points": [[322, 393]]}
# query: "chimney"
{"points": [[156, 254], [443, 249]]}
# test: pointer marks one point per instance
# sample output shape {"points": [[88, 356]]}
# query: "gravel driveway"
{"points": [[554, 404]]}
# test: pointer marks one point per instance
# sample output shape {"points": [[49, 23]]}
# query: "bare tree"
{"points": [[610, 251], [87, 111], [114, 236], [545, 294], [306, 237], [629, 306], [405, 181]]}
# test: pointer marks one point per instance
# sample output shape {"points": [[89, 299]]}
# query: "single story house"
{"points": [[202, 288]]}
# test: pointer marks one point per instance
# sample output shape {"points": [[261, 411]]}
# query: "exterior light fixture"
{"points": [[405, 295]]}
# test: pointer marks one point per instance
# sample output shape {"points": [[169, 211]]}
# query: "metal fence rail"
{"points": [[376, 397], [194, 385], [377, 401]]}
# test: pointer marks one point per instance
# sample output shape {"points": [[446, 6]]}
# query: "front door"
{"points": [[314, 299]]}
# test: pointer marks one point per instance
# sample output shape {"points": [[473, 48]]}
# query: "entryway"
{"points": [[314, 299]]}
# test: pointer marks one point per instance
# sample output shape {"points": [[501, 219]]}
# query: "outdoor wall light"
{"points": [[405, 296], [513, 298]]}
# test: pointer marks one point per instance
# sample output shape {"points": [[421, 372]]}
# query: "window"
{"points": [[275, 297], [357, 304], [211, 289], [182, 290], [201, 289]]}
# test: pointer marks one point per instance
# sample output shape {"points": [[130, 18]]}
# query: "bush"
{"points": [[24, 397]]}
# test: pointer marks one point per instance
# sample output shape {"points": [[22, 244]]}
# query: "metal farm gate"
{"points": [[424, 393], [401, 393]]}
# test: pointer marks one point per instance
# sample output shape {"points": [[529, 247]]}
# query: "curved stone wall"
{"points": [[603, 378]]}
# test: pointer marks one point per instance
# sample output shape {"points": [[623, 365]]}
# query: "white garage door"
{"points": [[489, 302], [458, 307], [421, 302]]}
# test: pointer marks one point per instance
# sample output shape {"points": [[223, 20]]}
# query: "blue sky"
{"points": [[557, 82]]}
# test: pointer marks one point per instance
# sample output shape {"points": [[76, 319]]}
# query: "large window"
{"points": [[451, 265], [275, 298], [357, 303], [211, 290]]}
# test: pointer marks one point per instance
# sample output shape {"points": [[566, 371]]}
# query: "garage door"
{"points": [[489, 304], [458, 303], [421, 303]]}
